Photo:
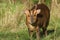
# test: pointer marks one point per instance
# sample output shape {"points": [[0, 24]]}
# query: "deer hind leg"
{"points": [[45, 31]]}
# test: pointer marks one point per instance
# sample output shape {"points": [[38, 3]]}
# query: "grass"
{"points": [[14, 36], [13, 27]]}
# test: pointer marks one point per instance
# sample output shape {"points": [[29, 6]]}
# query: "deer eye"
{"points": [[34, 15], [28, 15]]}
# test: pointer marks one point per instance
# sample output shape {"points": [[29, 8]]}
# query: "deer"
{"points": [[36, 18]]}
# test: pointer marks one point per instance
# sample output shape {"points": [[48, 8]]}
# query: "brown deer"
{"points": [[36, 18]]}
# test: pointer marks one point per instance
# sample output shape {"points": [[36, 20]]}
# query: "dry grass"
{"points": [[12, 23]]}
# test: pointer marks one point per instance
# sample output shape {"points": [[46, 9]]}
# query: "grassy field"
{"points": [[13, 27]]}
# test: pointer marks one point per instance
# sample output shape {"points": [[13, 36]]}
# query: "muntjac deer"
{"points": [[36, 18]]}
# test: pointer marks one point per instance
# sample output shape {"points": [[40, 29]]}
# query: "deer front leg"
{"points": [[37, 33], [30, 35]]}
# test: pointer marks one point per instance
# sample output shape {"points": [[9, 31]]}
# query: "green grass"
{"points": [[13, 27], [21, 35]]}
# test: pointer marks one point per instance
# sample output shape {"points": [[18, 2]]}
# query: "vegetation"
{"points": [[12, 22]]}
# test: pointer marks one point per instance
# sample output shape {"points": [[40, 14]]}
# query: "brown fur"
{"points": [[35, 20]]}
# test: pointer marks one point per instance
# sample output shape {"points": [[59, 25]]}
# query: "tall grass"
{"points": [[13, 27]]}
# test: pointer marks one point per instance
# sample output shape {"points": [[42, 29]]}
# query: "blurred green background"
{"points": [[12, 20]]}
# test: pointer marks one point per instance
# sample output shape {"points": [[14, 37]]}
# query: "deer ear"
{"points": [[38, 11], [26, 11]]}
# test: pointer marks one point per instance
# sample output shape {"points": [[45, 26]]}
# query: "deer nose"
{"points": [[31, 19]]}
